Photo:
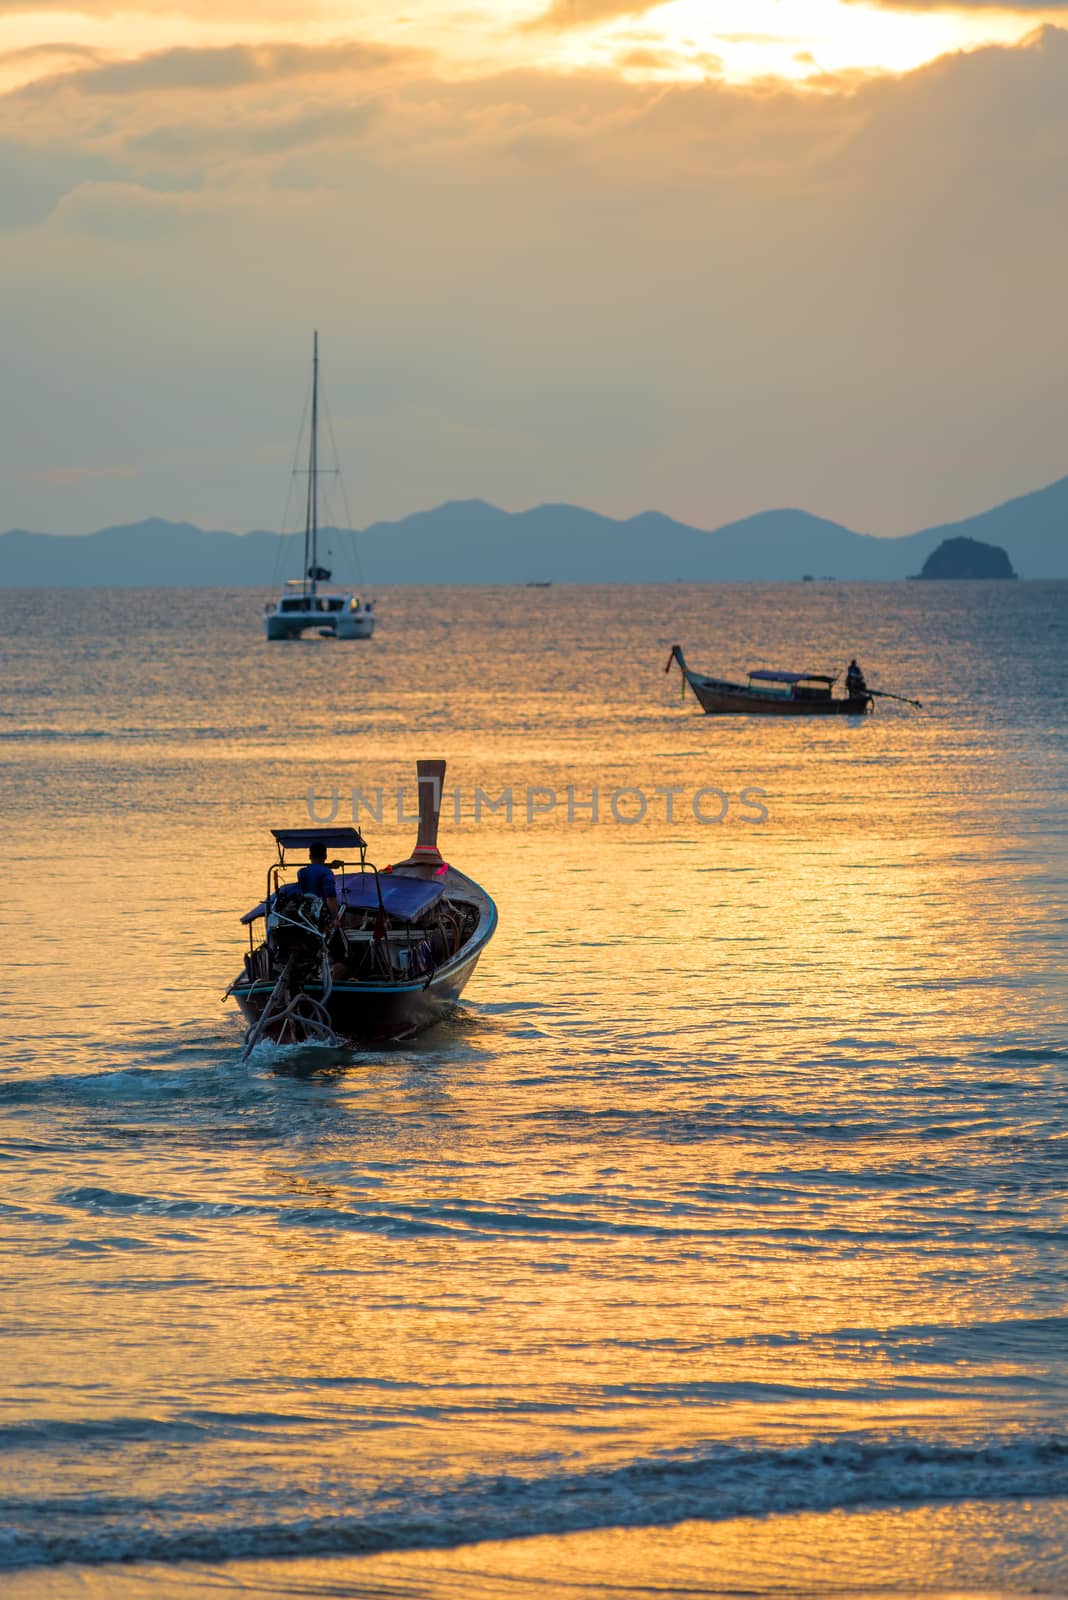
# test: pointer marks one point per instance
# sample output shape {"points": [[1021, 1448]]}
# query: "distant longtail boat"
{"points": [[779, 694]]}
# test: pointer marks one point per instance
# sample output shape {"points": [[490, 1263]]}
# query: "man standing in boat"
{"points": [[855, 683], [316, 878]]}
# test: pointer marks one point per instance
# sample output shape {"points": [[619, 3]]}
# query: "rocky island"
{"points": [[967, 558]]}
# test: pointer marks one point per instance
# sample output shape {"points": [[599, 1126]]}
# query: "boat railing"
{"points": [[365, 868], [380, 939]]}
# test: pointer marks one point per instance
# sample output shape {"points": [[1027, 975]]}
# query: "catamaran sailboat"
{"points": [[303, 604]]}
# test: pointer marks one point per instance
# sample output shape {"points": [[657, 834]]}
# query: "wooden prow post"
{"points": [[430, 782], [677, 655]]}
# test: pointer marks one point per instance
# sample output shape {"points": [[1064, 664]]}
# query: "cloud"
{"points": [[180, 119], [121, 212], [663, 62], [563, 14], [34, 180], [227, 67], [274, 131], [263, 11], [80, 53], [1023, 7], [703, 297]]}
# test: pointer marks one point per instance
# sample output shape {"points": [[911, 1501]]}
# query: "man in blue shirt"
{"points": [[316, 878]]}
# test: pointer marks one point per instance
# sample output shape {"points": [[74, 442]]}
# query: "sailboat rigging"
{"points": [[301, 605]]}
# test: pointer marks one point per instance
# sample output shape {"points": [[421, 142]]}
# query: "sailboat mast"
{"points": [[311, 521]]}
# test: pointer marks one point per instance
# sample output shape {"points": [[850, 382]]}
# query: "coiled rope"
{"points": [[305, 1019]]}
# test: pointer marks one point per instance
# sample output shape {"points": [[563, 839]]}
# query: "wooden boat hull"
{"points": [[718, 697], [369, 1013], [377, 1012]]}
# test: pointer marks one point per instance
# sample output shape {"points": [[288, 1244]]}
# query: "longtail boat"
{"points": [[403, 944], [772, 693]]}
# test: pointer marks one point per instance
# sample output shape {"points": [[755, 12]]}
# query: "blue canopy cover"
{"points": [[405, 899], [792, 677]]}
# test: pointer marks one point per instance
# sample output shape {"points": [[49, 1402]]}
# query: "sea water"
{"points": [[717, 1241]]}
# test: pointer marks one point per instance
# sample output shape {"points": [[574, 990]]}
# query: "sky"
{"points": [[707, 257]]}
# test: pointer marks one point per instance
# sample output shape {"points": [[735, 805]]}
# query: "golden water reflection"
{"points": [[990, 1548], [743, 1134]]}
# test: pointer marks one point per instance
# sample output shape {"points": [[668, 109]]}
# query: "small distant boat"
{"points": [[302, 605], [789, 694], [540, 583], [407, 939]]}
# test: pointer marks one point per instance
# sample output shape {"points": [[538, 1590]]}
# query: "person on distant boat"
{"points": [[855, 684], [316, 878]]}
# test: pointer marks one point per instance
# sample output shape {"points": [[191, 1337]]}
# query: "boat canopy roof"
{"points": [[333, 838], [404, 899], [791, 677]]}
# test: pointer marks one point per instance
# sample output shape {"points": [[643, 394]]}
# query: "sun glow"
{"points": [[748, 40]]}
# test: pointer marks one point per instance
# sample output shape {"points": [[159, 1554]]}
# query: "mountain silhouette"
{"points": [[470, 541]]}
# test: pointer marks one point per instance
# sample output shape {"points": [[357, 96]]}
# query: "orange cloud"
{"points": [[1024, 7], [230, 67], [213, 10], [707, 297], [583, 13]]}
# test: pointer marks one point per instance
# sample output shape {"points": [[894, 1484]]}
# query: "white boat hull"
{"points": [[356, 624], [340, 622]]}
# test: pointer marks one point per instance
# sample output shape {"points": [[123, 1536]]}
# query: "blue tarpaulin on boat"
{"points": [[405, 899], [792, 677]]}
